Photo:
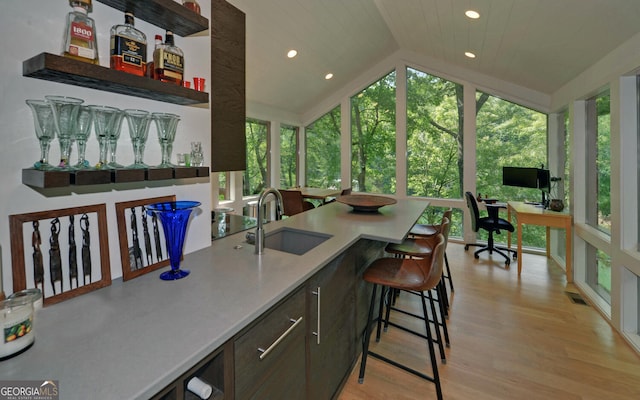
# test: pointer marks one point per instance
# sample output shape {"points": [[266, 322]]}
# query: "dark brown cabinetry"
{"points": [[331, 326], [270, 356]]}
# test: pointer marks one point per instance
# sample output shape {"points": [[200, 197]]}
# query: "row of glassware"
{"points": [[68, 119]]}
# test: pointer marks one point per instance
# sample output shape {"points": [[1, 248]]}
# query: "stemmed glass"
{"points": [[139, 122], [104, 118], [174, 216], [43, 121], [166, 124], [113, 135], [81, 134], [65, 114]]}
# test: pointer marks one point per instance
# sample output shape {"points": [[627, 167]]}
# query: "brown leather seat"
{"points": [[293, 202], [411, 274]]}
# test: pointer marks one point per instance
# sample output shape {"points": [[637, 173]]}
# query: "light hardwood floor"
{"points": [[511, 338]]}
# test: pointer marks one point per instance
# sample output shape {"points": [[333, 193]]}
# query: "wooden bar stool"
{"points": [[411, 274]]}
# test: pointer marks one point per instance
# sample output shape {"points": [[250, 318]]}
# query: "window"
{"points": [[599, 163], [288, 156], [373, 137], [434, 136], [599, 276], [322, 141], [224, 189], [509, 135], [256, 175]]}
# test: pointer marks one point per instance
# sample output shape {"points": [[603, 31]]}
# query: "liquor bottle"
{"points": [[151, 65], [169, 62], [128, 47], [79, 40]]}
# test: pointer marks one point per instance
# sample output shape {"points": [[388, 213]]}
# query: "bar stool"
{"points": [[423, 248], [411, 274], [427, 230]]}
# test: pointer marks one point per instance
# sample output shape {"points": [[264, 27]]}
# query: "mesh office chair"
{"points": [[492, 224]]}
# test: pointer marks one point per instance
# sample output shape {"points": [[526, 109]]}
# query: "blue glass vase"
{"points": [[174, 216]]}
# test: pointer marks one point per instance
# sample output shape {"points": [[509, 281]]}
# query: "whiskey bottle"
{"points": [[169, 62], [128, 47], [79, 40]]}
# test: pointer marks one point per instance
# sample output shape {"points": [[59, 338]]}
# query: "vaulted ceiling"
{"points": [[536, 44]]}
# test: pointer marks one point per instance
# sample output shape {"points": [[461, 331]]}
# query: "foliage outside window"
{"points": [[509, 135], [603, 162], [322, 141], [373, 137], [288, 156], [223, 186], [255, 177]]}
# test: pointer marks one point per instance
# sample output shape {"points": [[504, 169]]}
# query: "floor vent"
{"points": [[576, 298]]}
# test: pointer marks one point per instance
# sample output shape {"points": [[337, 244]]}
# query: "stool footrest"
{"points": [[403, 367]]}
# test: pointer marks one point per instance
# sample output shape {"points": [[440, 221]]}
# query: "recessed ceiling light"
{"points": [[328, 76], [472, 14], [469, 54], [292, 53]]}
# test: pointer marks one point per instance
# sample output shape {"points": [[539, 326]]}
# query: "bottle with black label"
{"points": [[168, 62], [80, 33], [128, 47]]}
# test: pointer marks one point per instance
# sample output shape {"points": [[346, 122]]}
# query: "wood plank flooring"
{"points": [[511, 338]]}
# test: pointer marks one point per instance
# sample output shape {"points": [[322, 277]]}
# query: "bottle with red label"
{"points": [[80, 41]]}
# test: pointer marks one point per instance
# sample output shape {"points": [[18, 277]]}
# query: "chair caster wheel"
{"points": [[466, 247], [507, 262], [476, 256]]}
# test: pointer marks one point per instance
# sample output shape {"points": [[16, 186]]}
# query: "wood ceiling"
{"points": [[536, 44]]}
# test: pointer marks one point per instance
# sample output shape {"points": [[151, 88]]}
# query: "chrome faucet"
{"points": [[279, 210]]}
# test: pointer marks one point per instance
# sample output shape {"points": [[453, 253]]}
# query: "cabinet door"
{"points": [[228, 109], [270, 357], [331, 325]]}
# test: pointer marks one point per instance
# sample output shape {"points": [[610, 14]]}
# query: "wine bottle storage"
{"points": [[58, 179]]}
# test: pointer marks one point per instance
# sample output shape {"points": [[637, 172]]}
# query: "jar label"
{"points": [[15, 331], [81, 31]]}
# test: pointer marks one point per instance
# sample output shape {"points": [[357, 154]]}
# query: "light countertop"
{"points": [[131, 339]]}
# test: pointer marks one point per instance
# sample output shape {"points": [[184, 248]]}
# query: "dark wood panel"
{"points": [[228, 108], [60, 69], [166, 14], [283, 363]]}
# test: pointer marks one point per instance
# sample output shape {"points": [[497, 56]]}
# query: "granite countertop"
{"points": [[131, 339]]}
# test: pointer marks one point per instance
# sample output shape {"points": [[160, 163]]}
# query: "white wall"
{"points": [[30, 27]]}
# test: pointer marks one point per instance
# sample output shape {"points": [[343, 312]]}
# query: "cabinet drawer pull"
{"points": [[264, 352], [317, 333]]}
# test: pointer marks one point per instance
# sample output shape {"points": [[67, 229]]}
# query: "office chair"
{"points": [[294, 203], [492, 224]]}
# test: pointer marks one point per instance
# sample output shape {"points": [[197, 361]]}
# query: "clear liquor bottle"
{"points": [[79, 41], [151, 65], [169, 62], [128, 47]]}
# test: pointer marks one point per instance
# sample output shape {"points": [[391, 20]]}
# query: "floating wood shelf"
{"points": [[58, 179], [55, 68], [166, 14]]}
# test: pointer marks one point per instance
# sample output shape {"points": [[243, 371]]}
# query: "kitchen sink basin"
{"points": [[293, 241]]}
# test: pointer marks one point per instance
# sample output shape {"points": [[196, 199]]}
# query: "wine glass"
{"points": [[113, 135], [81, 134], [139, 122], [103, 119], [43, 122], [65, 114], [166, 125], [174, 216]]}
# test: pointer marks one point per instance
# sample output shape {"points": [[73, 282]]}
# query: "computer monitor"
{"points": [[520, 177], [544, 180]]}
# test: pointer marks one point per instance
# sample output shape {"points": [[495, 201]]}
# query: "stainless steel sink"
{"points": [[293, 241]]}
